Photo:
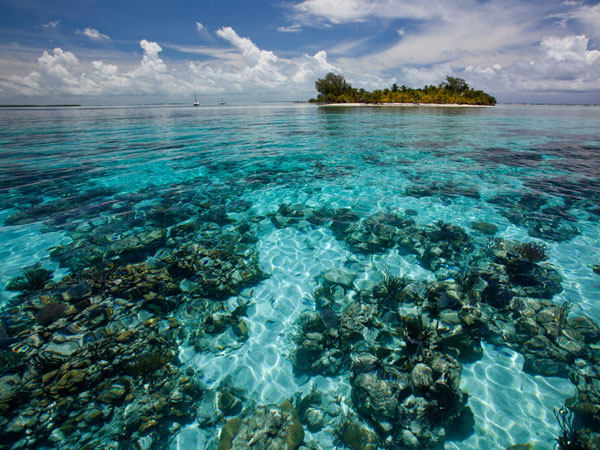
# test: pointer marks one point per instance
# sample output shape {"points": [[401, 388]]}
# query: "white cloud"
{"points": [[335, 11], [561, 64], [294, 28], [202, 30], [587, 16], [151, 49], [457, 32], [556, 62], [265, 70], [93, 34], [500, 45], [250, 51], [569, 49], [53, 73], [52, 24], [460, 33], [245, 69], [343, 11], [419, 77], [58, 57]]}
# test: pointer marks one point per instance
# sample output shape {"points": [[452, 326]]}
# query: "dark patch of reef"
{"points": [[401, 342], [91, 359]]}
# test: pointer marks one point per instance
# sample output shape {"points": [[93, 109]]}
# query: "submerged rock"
{"points": [[339, 277], [228, 433], [422, 377], [268, 427], [485, 227], [358, 437], [51, 313], [376, 398]]}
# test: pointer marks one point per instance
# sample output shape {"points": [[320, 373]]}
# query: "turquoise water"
{"points": [[204, 236]]}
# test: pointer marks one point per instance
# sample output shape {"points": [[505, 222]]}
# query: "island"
{"points": [[334, 89], [40, 106]]}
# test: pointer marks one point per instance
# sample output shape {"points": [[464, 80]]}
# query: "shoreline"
{"points": [[437, 105]]}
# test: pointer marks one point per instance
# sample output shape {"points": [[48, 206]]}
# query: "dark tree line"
{"points": [[335, 89]]}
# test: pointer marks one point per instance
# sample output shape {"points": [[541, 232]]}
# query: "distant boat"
{"points": [[221, 102], [196, 102]]}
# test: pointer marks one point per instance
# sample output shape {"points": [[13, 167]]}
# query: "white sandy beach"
{"points": [[437, 105]]}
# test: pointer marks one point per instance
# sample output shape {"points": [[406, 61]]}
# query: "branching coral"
{"points": [[532, 251], [391, 283]]}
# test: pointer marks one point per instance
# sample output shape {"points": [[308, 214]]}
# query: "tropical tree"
{"points": [[332, 85], [453, 84]]}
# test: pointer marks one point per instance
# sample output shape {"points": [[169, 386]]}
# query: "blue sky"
{"points": [[106, 52]]}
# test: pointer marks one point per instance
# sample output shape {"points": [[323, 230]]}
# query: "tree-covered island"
{"points": [[335, 89]]}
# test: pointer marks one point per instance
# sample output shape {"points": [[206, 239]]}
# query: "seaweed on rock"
{"points": [[418, 337], [146, 365], [570, 437], [34, 278]]}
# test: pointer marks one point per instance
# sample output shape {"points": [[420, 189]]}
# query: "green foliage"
{"points": [[334, 89], [456, 85]]}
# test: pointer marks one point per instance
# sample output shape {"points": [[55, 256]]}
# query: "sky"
{"points": [[97, 52]]}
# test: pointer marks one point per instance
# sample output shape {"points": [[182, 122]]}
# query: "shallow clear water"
{"points": [[71, 176]]}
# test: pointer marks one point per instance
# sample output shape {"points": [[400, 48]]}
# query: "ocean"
{"points": [[292, 276]]}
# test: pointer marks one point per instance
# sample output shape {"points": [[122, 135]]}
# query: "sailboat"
{"points": [[221, 102], [196, 102]]}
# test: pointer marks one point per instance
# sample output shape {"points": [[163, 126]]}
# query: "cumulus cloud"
{"points": [[250, 51], [264, 69], [93, 34], [246, 68], [54, 73], [569, 49], [561, 64]]}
